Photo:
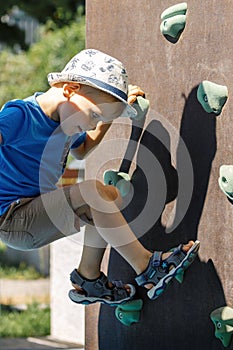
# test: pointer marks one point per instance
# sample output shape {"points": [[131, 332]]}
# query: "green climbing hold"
{"points": [[173, 26], [212, 96], [129, 313], [118, 179], [225, 180], [123, 176], [141, 105], [178, 9], [123, 184], [223, 322], [173, 21], [180, 276], [111, 177]]}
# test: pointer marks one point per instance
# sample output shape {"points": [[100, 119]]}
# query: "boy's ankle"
{"points": [[89, 276]]}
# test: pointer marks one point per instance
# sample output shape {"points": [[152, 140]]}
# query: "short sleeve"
{"points": [[78, 140], [11, 123]]}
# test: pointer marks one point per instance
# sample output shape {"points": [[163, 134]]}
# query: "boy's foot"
{"points": [[99, 290], [163, 267]]}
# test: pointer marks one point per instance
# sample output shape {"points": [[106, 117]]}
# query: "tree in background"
{"points": [[58, 13], [61, 12], [26, 72]]}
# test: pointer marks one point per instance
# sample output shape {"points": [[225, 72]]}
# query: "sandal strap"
{"points": [[158, 268], [177, 256], [155, 261], [156, 258], [78, 279], [99, 287]]}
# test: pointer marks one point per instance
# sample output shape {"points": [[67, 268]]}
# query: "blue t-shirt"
{"points": [[33, 151]]}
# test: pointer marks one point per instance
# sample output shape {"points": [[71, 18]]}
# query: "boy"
{"points": [[36, 135]]}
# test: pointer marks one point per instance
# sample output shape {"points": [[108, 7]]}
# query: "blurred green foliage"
{"points": [[16, 271], [33, 322], [61, 12], [58, 13], [24, 73], [20, 271]]}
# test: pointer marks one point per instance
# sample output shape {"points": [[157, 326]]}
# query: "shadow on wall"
{"points": [[198, 131], [182, 313]]}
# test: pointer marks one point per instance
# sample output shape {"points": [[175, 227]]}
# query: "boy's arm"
{"points": [[93, 138]]}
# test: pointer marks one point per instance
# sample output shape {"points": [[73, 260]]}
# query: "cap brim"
{"points": [[54, 78]]}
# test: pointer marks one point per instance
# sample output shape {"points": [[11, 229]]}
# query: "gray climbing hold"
{"points": [[225, 180], [118, 179], [141, 105], [173, 21], [178, 9], [173, 26], [212, 96]]}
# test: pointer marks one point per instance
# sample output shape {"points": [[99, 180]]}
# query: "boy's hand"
{"points": [[133, 92]]}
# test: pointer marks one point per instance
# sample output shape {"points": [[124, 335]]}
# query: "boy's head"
{"points": [[98, 70]]}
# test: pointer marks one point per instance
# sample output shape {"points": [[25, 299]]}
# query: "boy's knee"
{"points": [[109, 193], [93, 191]]}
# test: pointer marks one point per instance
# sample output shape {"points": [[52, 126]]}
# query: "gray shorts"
{"points": [[34, 222]]}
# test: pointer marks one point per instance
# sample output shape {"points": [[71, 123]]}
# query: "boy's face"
{"points": [[83, 113]]}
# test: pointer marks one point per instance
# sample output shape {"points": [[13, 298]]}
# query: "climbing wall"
{"points": [[175, 169]]}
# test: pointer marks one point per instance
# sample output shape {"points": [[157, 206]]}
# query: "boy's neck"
{"points": [[48, 104]]}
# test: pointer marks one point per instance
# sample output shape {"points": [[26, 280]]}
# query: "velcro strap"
{"points": [[76, 278], [155, 259], [99, 287], [176, 257], [118, 284], [154, 262]]}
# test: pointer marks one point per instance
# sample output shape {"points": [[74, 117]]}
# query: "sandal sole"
{"points": [[82, 299], [157, 290]]}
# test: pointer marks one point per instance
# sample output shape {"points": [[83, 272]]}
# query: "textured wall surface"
{"points": [[179, 133], [67, 318]]}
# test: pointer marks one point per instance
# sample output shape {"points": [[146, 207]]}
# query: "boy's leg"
{"points": [[34, 222], [56, 214], [92, 254], [110, 223], [111, 226]]}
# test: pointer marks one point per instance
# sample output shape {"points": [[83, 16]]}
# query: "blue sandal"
{"points": [[98, 290], [160, 272]]}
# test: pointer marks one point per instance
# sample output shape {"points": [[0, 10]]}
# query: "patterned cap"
{"points": [[99, 70]]}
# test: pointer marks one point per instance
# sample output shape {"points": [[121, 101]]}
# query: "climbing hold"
{"points": [[225, 180], [129, 312], [175, 10], [173, 26], [141, 105], [123, 184], [180, 276], [223, 322], [173, 21], [111, 177], [118, 179], [212, 96]]}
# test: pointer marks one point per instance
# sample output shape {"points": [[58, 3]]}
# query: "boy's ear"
{"points": [[69, 89]]}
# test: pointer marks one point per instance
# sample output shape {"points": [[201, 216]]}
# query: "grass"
{"points": [[16, 271], [32, 322], [19, 272]]}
